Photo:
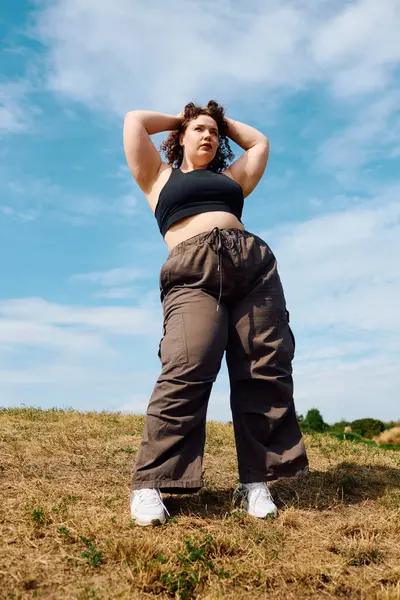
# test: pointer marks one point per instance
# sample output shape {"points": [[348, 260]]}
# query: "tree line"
{"points": [[367, 428]]}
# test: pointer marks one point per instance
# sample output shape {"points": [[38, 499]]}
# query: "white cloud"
{"points": [[119, 320], [8, 211], [26, 333], [395, 153], [74, 349], [75, 375], [16, 110], [218, 406], [339, 267], [112, 277], [355, 389], [359, 45], [29, 198], [93, 206], [135, 404], [349, 49], [116, 281], [80, 356], [96, 386], [108, 55], [341, 277], [120, 293], [374, 130]]}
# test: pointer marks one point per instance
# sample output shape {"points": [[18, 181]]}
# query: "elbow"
{"points": [[264, 144], [133, 121], [133, 114], [261, 142]]}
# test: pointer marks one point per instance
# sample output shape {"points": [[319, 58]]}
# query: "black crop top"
{"points": [[197, 191]]}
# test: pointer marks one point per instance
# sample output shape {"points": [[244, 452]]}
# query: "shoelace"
{"points": [[153, 494], [262, 490]]}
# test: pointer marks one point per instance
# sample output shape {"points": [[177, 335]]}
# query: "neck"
{"points": [[188, 165]]}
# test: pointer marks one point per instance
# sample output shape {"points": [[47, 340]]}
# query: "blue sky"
{"points": [[80, 252]]}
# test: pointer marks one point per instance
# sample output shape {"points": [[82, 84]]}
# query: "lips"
{"points": [[206, 146]]}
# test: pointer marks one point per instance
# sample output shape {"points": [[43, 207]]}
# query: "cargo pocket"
{"points": [[173, 345]]}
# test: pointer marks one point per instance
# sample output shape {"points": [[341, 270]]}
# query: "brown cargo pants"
{"points": [[221, 291]]}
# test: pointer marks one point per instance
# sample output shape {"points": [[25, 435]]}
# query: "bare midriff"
{"points": [[191, 226]]}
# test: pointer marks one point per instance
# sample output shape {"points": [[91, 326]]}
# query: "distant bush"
{"points": [[313, 421], [340, 426], [367, 428]]}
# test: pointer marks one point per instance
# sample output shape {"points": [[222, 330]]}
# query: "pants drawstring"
{"points": [[220, 276], [217, 237]]}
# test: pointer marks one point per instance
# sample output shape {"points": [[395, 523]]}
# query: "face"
{"points": [[200, 140]]}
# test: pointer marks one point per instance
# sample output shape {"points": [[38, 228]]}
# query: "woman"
{"points": [[220, 291]]}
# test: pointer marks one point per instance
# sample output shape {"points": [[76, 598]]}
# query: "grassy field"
{"points": [[66, 530]]}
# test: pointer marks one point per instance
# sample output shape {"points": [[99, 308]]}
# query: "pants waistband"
{"points": [[205, 236]]}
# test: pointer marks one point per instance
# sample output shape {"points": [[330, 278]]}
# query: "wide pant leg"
{"points": [[191, 350], [259, 357]]}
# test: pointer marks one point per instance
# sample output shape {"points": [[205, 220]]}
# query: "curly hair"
{"points": [[174, 151]]}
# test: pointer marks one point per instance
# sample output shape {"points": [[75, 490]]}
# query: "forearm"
{"points": [[155, 122], [244, 135]]}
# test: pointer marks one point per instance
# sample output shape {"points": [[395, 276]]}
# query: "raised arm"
{"points": [[248, 169], [142, 156]]}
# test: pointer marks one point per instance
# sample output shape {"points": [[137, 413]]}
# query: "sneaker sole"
{"points": [[154, 522], [270, 515]]}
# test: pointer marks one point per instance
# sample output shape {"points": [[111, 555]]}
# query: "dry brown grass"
{"points": [[390, 436], [66, 530]]}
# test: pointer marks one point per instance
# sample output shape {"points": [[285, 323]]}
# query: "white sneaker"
{"points": [[258, 501], [147, 507]]}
